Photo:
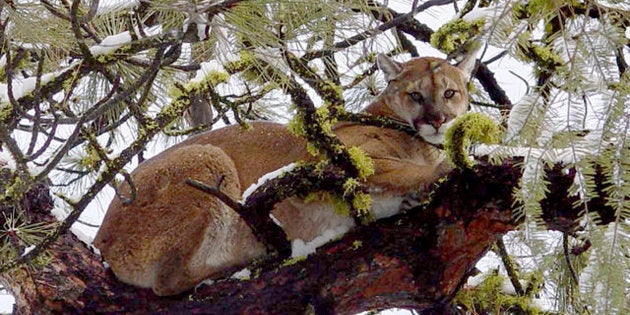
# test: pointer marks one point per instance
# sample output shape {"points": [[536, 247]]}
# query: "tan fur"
{"points": [[173, 236]]}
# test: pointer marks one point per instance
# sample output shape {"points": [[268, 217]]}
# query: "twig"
{"points": [[257, 218], [567, 259], [134, 191], [509, 267], [216, 191]]}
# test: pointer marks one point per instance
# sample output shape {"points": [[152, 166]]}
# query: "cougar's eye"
{"points": [[416, 97], [449, 93]]}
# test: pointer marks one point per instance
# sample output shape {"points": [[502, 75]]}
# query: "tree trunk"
{"points": [[417, 260]]}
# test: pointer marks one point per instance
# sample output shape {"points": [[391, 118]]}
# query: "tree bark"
{"points": [[416, 260]]}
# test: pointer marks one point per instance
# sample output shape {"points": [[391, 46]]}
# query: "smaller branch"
{"points": [[622, 65], [388, 24], [522, 79], [76, 29], [266, 231], [486, 104], [379, 121], [62, 151], [495, 58], [50, 136], [9, 74], [148, 78], [134, 190], [490, 84], [406, 44], [91, 13], [36, 107], [509, 267], [359, 78], [216, 191], [567, 258]]}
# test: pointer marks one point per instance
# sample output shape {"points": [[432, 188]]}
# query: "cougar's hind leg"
{"points": [[197, 219]]}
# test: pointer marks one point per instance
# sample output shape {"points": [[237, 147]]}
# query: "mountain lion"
{"points": [[173, 236]]}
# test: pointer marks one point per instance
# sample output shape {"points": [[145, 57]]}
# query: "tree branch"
{"points": [[416, 260]]}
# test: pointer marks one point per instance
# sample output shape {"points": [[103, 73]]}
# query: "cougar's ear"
{"points": [[390, 67], [467, 62]]}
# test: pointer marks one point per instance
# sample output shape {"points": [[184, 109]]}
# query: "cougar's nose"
{"points": [[436, 119]]}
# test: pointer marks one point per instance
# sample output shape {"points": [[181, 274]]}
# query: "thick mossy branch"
{"points": [[316, 125], [299, 182], [415, 260], [379, 121]]}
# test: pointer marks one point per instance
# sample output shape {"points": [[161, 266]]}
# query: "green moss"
{"points": [[114, 55], [362, 203], [340, 206], [312, 196], [623, 86], [331, 92], [312, 149], [6, 110], [363, 163], [293, 261], [546, 7], [467, 128], [489, 297], [350, 186], [454, 34], [246, 65], [91, 159], [296, 126], [15, 188], [546, 56], [216, 77], [212, 79], [326, 124]]}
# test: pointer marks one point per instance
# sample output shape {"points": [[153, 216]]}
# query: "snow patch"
{"points": [[385, 207], [84, 237], [6, 303], [22, 87], [28, 250], [243, 274], [488, 13], [299, 248], [111, 43], [263, 179], [6, 159], [113, 6], [206, 68], [275, 220]]}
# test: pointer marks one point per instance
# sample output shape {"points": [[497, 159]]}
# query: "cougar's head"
{"points": [[427, 93]]}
